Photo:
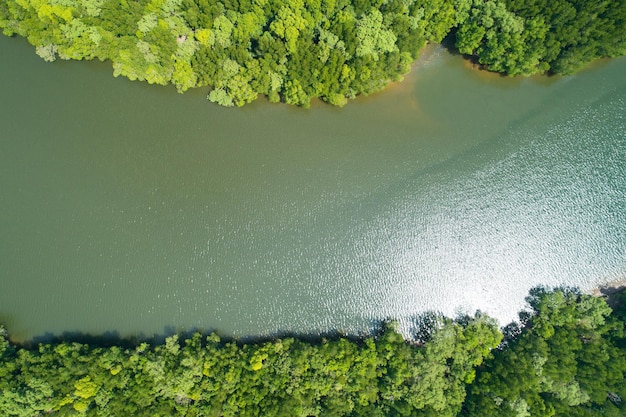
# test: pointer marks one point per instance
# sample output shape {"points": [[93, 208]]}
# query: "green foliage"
{"points": [[527, 37], [221, 97], [374, 376], [568, 360], [373, 38], [498, 38]]}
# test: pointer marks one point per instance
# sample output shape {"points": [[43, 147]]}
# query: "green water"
{"points": [[131, 208]]}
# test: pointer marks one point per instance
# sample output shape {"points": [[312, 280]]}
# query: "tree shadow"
{"points": [[421, 330], [113, 338], [105, 340], [613, 294], [448, 43]]}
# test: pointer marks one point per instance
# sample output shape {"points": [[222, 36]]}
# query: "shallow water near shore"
{"points": [[131, 208]]}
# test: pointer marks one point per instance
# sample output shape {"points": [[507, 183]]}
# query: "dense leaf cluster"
{"points": [[537, 36], [568, 360]]}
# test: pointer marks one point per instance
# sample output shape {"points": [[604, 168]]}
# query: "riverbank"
{"points": [[454, 373], [610, 291]]}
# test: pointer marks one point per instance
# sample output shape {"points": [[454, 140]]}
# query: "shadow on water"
{"points": [[448, 43], [113, 338], [613, 294], [106, 339], [420, 333]]}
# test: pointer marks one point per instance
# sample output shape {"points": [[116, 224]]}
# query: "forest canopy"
{"points": [[567, 358], [295, 50]]}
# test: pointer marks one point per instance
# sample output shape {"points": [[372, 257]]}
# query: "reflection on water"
{"points": [[132, 208], [552, 212]]}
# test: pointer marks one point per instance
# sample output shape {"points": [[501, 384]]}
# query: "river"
{"points": [[132, 209]]}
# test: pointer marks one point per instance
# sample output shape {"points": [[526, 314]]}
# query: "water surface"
{"points": [[131, 208]]}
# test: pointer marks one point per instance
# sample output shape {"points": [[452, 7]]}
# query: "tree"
{"points": [[373, 38], [565, 361]]}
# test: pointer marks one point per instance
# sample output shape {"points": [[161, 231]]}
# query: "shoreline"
{"points": [[404, 88], [609, 291]]}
